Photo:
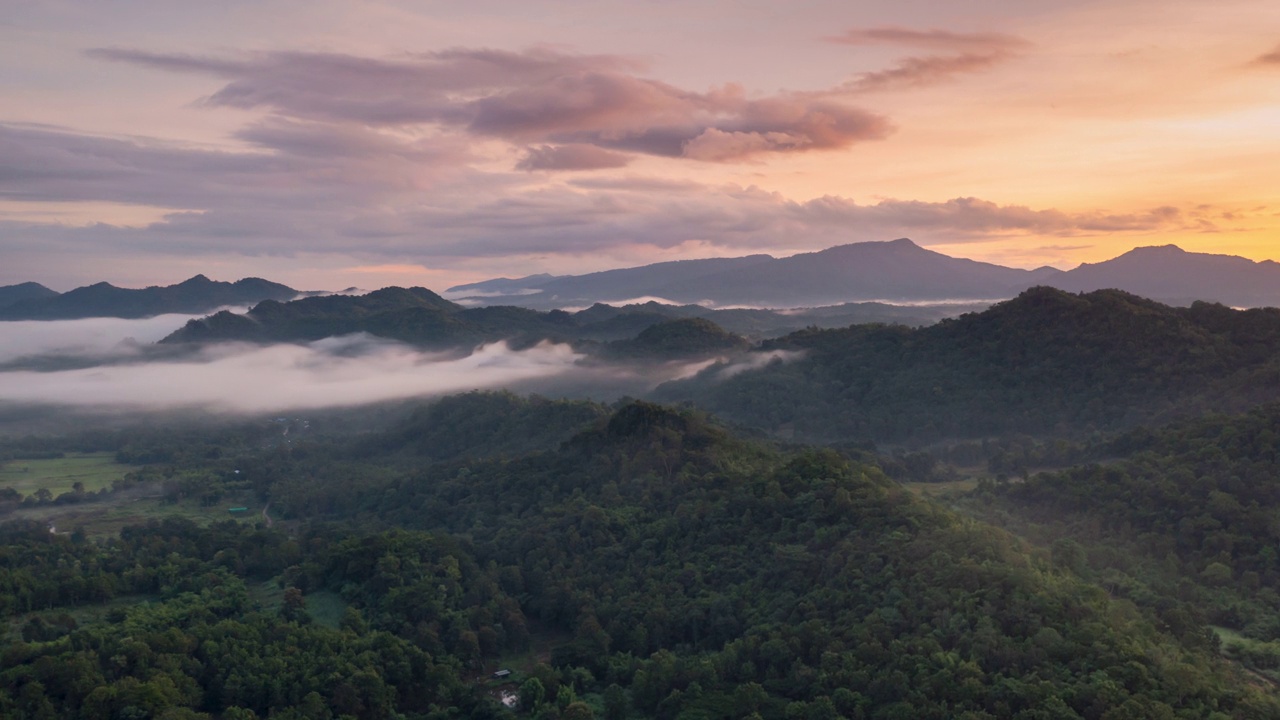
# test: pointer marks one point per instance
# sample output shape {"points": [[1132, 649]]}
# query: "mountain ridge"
{"points": [[10, 294], [194, 295], [897, 271]]}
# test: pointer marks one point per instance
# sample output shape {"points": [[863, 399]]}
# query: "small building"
{"points": [[502, 674], [237, 510]]}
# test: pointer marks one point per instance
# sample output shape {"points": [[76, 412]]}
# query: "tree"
{"points": [[615, 702], [532, 694]]}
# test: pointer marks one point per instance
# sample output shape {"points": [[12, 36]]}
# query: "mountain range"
{"points": [[895, 271], [31, 301], [859, 282], [420, 317]]}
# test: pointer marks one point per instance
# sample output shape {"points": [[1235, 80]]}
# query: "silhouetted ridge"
{"points": [[10, 294], [897, 270], [1171, 274], [194, 295]]}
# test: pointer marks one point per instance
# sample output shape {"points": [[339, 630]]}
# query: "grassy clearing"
{"points": [[90, 614], [541, 642], [11, 630], [58, 475], [326, 608], [135, 506], [942, 489], [267, 595], [1260, 656], [1227, 635]]}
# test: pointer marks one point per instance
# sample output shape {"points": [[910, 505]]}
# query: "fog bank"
{"points": [[87, 336], [351, 370]]}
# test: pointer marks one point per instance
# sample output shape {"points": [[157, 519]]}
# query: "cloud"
{"points": [[537, 96], [939, 40], [387, 269], [581, 219], [334, 372], [752, 361], [744, 219], [915, 72], [965, 53], [90, 336], [334, 87], [571, 157], [386, 196], [298, 164], [1271, 58]]}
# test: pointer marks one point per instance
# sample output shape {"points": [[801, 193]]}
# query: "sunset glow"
{"points": [[335, 144]]}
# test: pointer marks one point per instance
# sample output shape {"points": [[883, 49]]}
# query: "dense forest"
{"points": [[1047, 362], [1108, 548], [1181, 519], [635, 561], [422, 318]]}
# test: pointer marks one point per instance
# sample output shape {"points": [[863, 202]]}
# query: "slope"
{"points": [[717, 578], [1046, 362]]}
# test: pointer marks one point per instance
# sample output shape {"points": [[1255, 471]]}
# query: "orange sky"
{"points": [[333, 144]]}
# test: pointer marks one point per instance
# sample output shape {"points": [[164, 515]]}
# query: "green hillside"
{"points": [[1047, 362]]}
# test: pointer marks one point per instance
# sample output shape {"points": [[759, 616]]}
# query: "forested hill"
{"points": [[420, 317], [1046, 362], [479, 425], [652, 565], [397, 313], [196, 295], [1182, 518], [712, 577]]}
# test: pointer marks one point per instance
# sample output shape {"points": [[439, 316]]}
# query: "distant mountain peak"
{"points": [[1165, 250], [1170, 274], [871, 246]]}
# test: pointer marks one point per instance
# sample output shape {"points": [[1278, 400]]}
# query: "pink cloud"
{"points": [[922, 71], [571, 157], [1271, 58], [964, 53], [940, 40], [534, 97]]}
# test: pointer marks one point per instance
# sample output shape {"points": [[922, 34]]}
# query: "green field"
{"points": [[136, 506], [326, 608], [942, 489], [58, 475], [1258, 656], [105, 516]]}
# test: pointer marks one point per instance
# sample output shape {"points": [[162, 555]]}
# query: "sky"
{"points": [[329, 144]]}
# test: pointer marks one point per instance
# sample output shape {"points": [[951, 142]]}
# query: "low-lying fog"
{"points": [[350, 370], [90, 336], [236, 377]]}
